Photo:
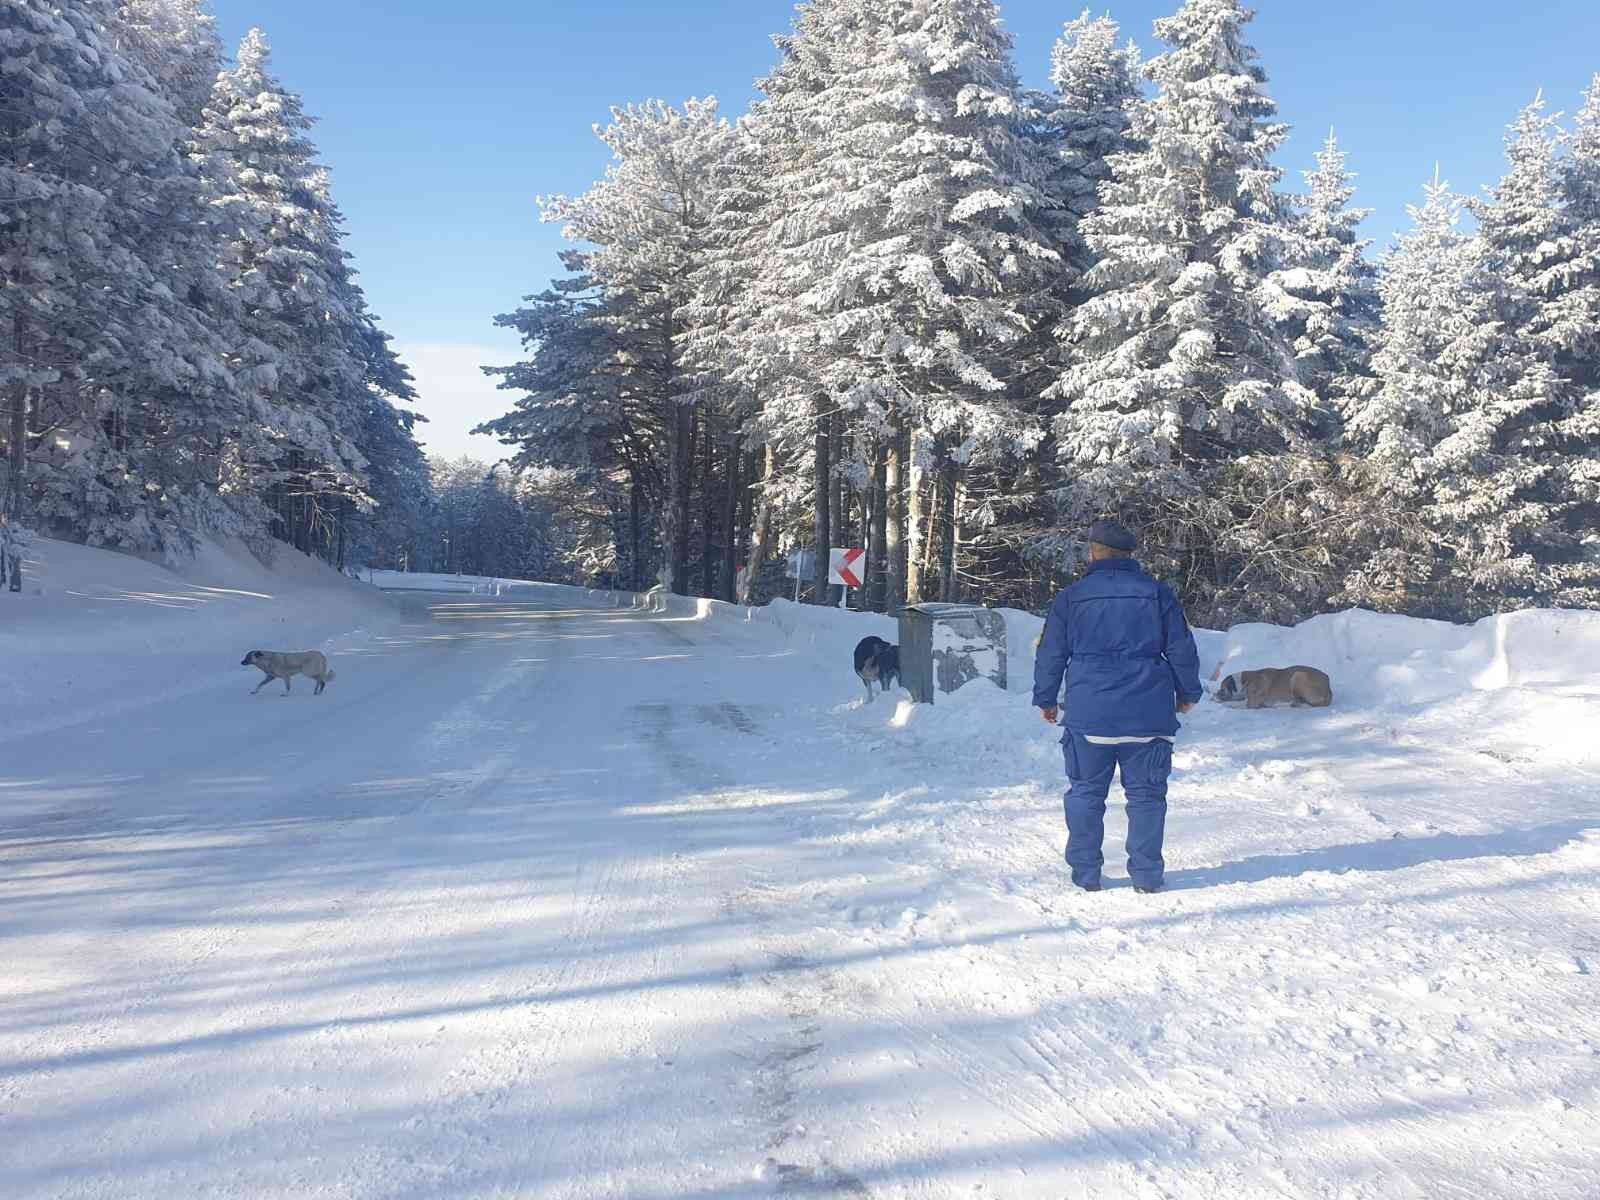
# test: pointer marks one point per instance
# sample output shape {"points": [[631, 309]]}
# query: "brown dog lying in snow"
{"points": [[1294, 686]]}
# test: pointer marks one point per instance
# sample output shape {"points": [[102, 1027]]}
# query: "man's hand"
{"points": [[1183, 708], [1050, 715]]}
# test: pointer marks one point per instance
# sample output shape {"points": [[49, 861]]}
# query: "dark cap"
{"points": [[1109, 533]]}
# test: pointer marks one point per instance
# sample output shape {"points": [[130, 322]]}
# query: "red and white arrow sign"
{"points": [[848, 567]]}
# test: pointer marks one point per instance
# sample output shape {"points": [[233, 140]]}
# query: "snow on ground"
{"points": [[94, 633], [562, 894]]}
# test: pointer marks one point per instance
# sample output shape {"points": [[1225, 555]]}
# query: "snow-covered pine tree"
{"points": [[1431, 291], [102, 324], [284, 269], [165, 417], [903, 257], [176, 42], [1573, 314], [585, 420], [1427, 284], [388, 534], [1327, 298], [647, 222], [1501, 495], [384, 434], [718, 356], [1074, 130], [1576, 318], [1186, 404], [458, 486], [1082, 124]]}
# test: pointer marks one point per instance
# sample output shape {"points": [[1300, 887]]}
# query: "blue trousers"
{"points": [[1145, 767]]}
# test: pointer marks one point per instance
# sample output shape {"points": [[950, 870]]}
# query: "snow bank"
{"points": [[1375, 659], [828, 631], [1525, 682], [94, 632]]}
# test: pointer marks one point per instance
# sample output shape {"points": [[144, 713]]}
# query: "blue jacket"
{"points": [[1121, 639]]}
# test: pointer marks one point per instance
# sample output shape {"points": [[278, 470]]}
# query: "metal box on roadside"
{"points": [[943, 646]]}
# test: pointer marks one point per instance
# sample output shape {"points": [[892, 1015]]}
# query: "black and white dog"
{"points": [[877, 661]]}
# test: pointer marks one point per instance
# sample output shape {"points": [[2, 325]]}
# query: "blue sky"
{"points": [[442, 123]]}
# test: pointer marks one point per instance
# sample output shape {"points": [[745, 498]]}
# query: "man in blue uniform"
{"points": [[1131, 666]]}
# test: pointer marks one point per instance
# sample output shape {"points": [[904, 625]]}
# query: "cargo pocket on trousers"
{"points": [[1069, 749], [1155, 764]]}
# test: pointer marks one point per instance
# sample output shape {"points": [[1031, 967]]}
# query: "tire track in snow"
{"points": [[780, 1062]]}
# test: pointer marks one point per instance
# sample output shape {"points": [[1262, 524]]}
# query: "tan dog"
{"points": [[278, 665], [1294, 686]]}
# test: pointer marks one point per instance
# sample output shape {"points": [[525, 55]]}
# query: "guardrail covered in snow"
{"points": [[428, 581]]}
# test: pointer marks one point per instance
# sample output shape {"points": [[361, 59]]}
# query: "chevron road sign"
{"points": [[848, 567]]}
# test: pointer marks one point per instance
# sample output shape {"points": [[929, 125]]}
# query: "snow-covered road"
{"points": [[544, 900]]}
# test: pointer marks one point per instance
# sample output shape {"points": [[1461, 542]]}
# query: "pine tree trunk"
{"points": [[916, 517], [635, 567], [680, 569], [16, 474], [707, 518], [895, 533], [749, 474], [680, 476], [730, 520], [953, 493], [933, 534], [822, 494], [841, 495], [877, 553], [761, 540], [18, 467]]}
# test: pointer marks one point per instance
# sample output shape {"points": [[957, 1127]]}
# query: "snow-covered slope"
{"points": [[94, 632]]}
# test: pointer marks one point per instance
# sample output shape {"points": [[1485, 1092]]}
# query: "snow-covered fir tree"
{"points": [[1426, 285], [176, 42], [903, 255], [1573, 312], [647, 222], [1430, 287], [1182, 373], [1326, 299], [1576, 321], [284, 269], [181, 322], [102, 310], [1502, 495], [581, 415], [1082, 124], [1465, 408], [719, 353], [1075, 129]]}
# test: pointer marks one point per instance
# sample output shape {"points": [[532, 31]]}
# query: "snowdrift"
{"points": [[94, 631], [1373, 659], [1519, 685], [1376, 659]]}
